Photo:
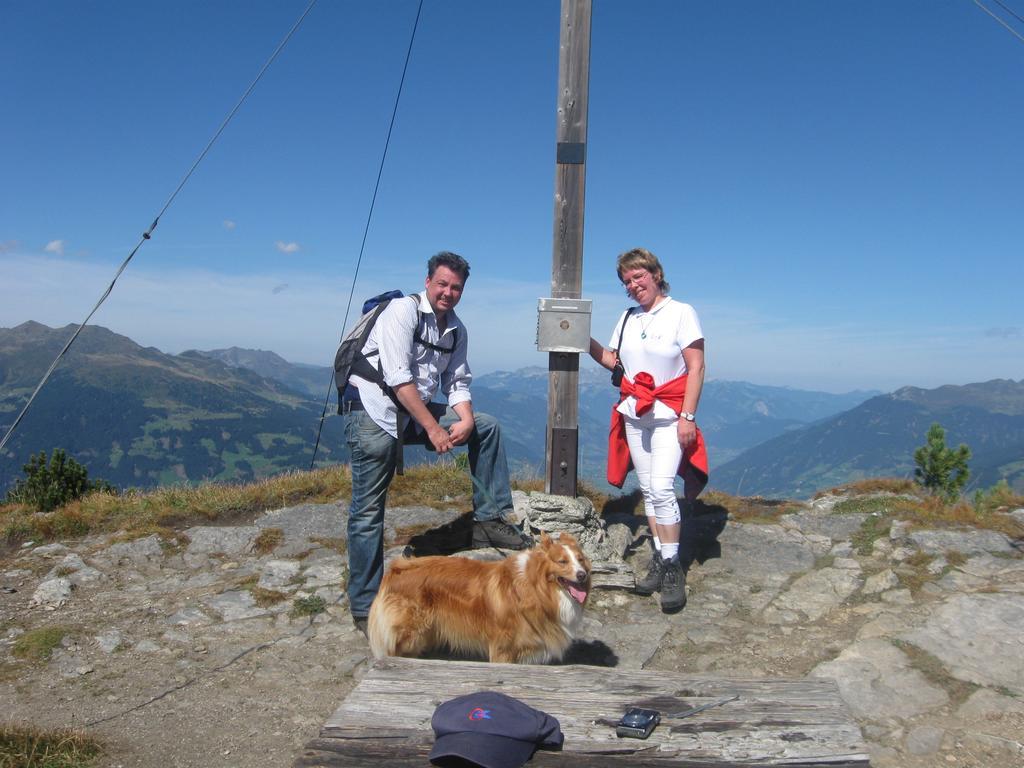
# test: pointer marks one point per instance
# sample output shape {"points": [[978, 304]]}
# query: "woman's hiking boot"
{"points": [[651, 582], [673, 586]]}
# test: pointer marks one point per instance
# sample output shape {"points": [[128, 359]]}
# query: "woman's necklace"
{"points": [[643, 328], [650, 319]]}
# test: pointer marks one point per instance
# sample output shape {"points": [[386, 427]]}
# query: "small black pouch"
{"points": [[617, 370], [617, 373]]}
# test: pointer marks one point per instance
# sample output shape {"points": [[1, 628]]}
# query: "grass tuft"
{"points": [[268, 540], [749, 509], [442, 483], [955, 557], [871, 530], [38, 644], [157, 511], [874, 485], [266, 598], [446, 483], [338, 545], [933, 669], [998, 498], [930, 512], [26, 746], [308, 606]]}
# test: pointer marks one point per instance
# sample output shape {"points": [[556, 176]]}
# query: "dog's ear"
{"points": [[545, 540]]}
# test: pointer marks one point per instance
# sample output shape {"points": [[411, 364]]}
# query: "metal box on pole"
{"points": [[563, 325]]}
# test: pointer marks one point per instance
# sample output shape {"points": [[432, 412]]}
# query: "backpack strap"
{"points": [[375, 373], [418, 338]]}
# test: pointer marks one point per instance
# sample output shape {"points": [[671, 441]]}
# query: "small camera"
{"points": [[637, 723], [617, 373]]}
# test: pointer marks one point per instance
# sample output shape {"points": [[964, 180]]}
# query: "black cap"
{"points": [[491, 730]]}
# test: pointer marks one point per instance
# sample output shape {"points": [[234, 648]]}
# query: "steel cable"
{"points": [[149, 232], [366, 229]]}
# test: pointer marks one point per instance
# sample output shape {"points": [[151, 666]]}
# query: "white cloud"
{"points": [[1005, 332], [55, 247], [284, 247], [229, 224]]}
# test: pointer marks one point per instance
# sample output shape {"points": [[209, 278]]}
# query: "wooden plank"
{"points": [[386, 718], [328, 753]]}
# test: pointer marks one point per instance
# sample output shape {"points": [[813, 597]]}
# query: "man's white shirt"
{"points": [[391, 347]]}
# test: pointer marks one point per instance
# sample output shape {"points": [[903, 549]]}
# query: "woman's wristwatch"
{"points": [[688, 416]]}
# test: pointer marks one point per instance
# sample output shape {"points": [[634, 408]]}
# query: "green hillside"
{"points": [[138, 417], [878, 438]]}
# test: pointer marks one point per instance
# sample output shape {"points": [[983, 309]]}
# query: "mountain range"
{"points": [[879, 436], [138, 417]]}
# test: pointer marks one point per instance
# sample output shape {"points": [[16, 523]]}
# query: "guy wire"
{"points": [[149, 232], [366, 229], [1010, 29]]}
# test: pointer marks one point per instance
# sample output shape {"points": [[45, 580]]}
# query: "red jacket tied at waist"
{"points": [[694, 466]]}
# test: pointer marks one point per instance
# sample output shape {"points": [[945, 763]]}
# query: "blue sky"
{"points": [[835, 186]]}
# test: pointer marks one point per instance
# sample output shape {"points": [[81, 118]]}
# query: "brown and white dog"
{"points": [[524, 609]]}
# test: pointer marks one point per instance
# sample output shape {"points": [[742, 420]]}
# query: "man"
{"points": [[418, 346]]}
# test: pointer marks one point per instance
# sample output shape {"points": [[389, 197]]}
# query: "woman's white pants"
{"points": [[656, 453]]}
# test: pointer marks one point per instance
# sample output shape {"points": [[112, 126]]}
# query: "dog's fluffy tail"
{"points": [[379, 629]]}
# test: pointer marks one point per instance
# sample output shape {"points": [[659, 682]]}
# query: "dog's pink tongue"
{"points": [[578, 594]]}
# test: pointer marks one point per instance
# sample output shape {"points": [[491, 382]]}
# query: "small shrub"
{"points": [[38, 644], [308, 606], [25, 746], [940, 469], [51, 484], [999, 496]]}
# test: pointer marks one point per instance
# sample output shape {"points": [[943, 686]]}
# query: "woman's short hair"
{"points": [[641, 258]]}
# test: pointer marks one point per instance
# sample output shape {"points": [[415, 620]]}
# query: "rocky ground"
{"points": [[190, 651]]}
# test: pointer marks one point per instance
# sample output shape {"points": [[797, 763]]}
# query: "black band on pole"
{"points": [[571, 153]]}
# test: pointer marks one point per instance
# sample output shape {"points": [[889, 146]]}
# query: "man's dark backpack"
{"points": [[350, 359]]}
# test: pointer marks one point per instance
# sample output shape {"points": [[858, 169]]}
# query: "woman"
{"points": [[660, 346]]}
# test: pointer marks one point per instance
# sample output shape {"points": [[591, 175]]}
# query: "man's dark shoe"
{"points": [[673, 587], [498, 533], [360, 624], [651, 583]]}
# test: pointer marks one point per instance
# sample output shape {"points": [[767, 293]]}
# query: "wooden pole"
{"points": [[562, 452]]}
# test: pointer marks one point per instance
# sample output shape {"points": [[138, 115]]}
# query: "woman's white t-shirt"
{"points": [[654, 342]]}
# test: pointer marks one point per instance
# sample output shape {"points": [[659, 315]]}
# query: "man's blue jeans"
{"points": [[374, 457]]}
